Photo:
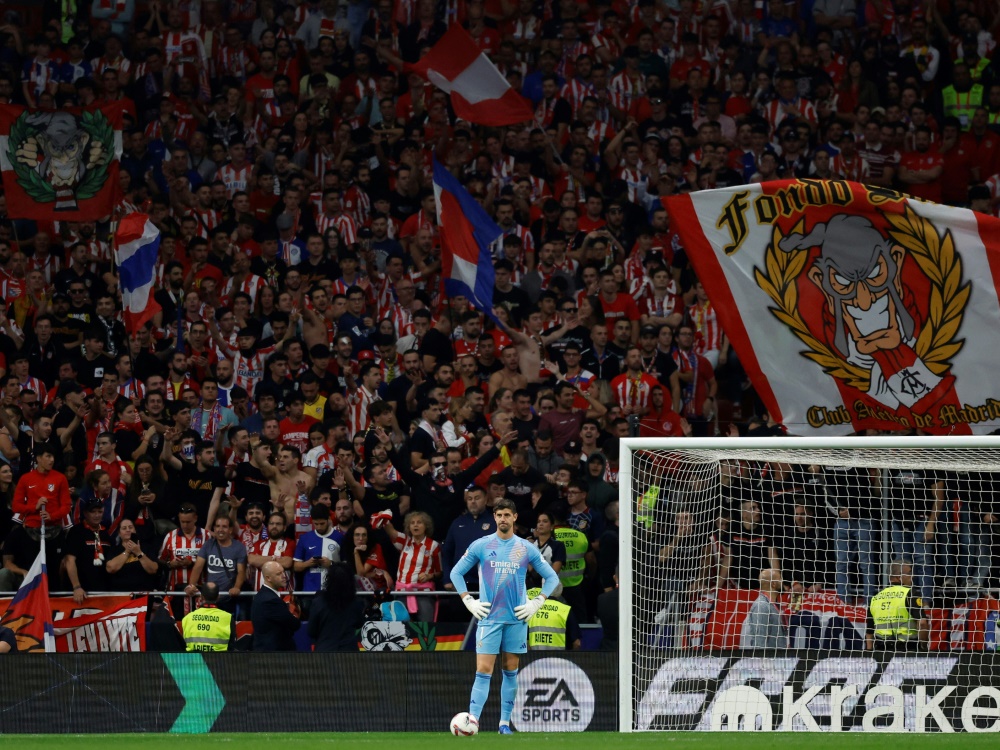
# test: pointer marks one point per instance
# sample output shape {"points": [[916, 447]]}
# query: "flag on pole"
{"points": [[60, 166], [29, 614], [467, 232], [137, 246], [479, 92], [852, 307]]}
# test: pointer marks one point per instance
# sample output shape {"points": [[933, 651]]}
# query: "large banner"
{"points": [[113, 623], [821, 691], [852, 307], [60, 166]]}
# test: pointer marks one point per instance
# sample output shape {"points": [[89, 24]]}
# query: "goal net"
{"points": [[809, 584]]}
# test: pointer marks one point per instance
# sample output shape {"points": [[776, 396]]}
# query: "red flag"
{"points": [[479, 92], [60, 166]]}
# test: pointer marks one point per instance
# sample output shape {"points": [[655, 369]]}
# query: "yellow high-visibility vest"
{"points": [[889, 613], [577, 544], [207, 629], [547, 628], [962, 105]]}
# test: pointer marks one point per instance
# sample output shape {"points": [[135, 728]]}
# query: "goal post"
{"points": [[747, 567]]}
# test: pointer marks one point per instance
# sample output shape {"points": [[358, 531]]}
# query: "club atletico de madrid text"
{"points": [[820, 416]]}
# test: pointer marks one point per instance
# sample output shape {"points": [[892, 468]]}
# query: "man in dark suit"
{"points": [[273, 625]]}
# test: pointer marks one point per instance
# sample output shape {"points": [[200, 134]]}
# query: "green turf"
{"points": [[439, 741]]}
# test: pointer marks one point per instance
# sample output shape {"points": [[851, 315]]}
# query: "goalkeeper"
{"points": [[502, 610]]}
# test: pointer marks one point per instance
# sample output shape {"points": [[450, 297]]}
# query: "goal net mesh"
{"points": [[749, 564]]}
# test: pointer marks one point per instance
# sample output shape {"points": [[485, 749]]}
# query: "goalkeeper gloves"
{"points": [[478, 609], [527, 611]]}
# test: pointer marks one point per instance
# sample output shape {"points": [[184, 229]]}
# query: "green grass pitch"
{"points": [[442, 740]]}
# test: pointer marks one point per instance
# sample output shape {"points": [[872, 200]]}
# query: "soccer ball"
{"points": [[464, 725]]}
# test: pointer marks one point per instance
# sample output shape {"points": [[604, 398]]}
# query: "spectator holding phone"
{"points": [[316, 550]]}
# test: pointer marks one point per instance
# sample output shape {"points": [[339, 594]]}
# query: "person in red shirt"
{"points": [[295, 427], [660, 420], [108, 460], [260, 87], [617, 306], [272, 547], [633, 389], [43, 493], [482, 31], [920, 170], [957, 172], [982, 145]]}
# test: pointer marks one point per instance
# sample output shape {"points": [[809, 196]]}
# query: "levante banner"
{"points": [[100, 624], [852, 307]]}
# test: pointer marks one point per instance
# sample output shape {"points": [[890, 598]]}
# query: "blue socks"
{"points": [[508, 692], [480, 692]]}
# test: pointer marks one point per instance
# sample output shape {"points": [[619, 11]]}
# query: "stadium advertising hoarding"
{"points": [[363, 692], [822, 691]]}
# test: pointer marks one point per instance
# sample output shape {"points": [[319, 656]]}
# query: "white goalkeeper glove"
{"points": [[527, 611], [478, 609]]}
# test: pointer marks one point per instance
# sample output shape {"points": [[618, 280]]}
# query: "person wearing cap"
{"points": [[319, 358], [292, 249], [88, 548]]}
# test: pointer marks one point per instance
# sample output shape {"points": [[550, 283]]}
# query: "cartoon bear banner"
{"points": [[852, 307], [60, 166]]}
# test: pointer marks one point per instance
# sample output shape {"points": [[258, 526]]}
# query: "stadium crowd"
{"points": [[309, 394]]}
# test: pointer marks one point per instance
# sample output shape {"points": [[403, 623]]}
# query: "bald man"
{"points": [[274, 627], [763, 629]]}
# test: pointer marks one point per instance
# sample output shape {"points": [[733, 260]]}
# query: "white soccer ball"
{"points": [[464, 725]]}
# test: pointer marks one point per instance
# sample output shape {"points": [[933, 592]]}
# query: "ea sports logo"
{"points": [[554, 695]]}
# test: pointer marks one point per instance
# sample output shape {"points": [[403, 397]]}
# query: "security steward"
{"points": [[895, 614], [209, 628], [554, 626], [571, 576]]}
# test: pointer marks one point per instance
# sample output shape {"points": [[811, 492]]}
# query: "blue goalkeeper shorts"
{"points": [[494, 637]]}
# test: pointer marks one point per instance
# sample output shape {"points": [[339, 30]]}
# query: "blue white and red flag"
{"points": [[137, 246], [467, 232], [29, 614]]}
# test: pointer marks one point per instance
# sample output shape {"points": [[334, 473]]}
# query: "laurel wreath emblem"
{"points": [[101, 147], [938, 341]]}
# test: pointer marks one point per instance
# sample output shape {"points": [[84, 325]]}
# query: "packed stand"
{"points": [[308, 394]]}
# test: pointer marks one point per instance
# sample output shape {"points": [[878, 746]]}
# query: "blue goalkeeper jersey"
{"points": [[503, 564]]}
